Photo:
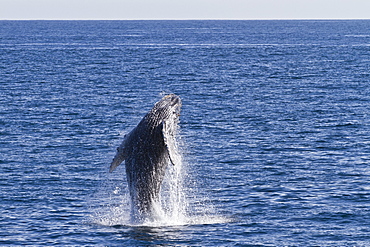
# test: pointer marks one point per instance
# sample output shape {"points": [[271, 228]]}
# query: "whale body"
{"points": [[147, 150]]}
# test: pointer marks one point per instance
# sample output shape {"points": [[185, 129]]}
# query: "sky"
{"points": [[182, 9]]}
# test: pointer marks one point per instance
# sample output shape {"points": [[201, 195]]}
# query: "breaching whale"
{"points": [[147, 150]]}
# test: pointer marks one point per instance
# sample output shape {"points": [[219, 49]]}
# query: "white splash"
{"points": [[177, 204]]}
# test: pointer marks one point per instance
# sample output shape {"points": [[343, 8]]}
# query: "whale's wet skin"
{"points": [[147, 151]]}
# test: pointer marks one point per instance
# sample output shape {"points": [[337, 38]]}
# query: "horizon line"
{"points": [[188, 19]]}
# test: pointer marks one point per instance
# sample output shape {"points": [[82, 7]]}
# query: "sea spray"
{"points": [[113, 205], [181, 201], [172, 197]]}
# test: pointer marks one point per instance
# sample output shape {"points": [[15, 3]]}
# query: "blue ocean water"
{"points": [[275, 130]]}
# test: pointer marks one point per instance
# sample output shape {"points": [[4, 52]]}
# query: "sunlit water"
{"points": [[274, 131]]}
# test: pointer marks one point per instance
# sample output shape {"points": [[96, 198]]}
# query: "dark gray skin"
{"points": [[147, 150]]}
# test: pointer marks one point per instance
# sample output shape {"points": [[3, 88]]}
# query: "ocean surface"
{"points": [[274, 130]]}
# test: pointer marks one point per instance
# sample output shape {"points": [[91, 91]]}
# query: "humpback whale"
{"points": [[147, 150]]}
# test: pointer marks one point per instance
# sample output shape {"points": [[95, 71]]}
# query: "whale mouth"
{"points": [[174, 99], [176, 103]]}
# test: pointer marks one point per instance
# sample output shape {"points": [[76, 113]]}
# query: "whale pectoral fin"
{"points": [[118, 159], [170, 143]]}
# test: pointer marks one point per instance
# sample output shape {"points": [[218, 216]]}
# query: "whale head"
{"points": [[163, 117], [167, 109]]}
